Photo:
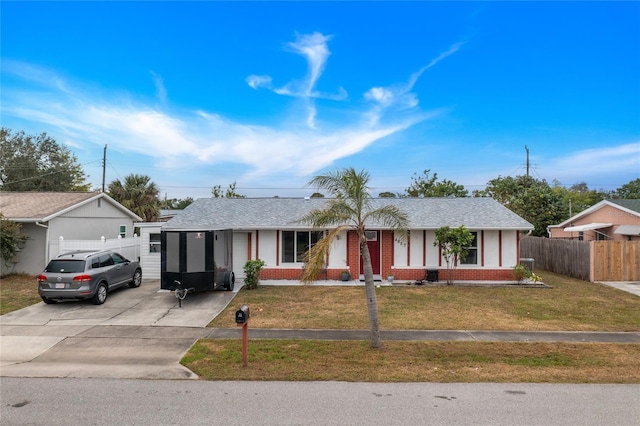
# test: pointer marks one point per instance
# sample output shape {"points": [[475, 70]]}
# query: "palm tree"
{"points": [[350, 209], [138, 194]]}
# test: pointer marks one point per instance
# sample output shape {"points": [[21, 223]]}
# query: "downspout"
{"points": [[46, 241]]}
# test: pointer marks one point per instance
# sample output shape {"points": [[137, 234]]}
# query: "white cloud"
{"points": [[258, 81], [597, 163], [161, 91], [82, 115], [400, 95]]}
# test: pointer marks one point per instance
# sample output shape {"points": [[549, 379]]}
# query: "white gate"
{"points": [[128, 247]]}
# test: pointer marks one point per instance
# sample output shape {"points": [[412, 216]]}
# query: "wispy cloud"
{"points": [[132, 125], [400, 95], [161, 91], [597, 163]]}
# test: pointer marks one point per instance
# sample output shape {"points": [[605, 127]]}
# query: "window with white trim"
{"points": [[154, 243], [295, 244], [123, 231], [472, 252]]}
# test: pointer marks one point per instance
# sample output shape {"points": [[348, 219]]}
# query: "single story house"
{"points": [[268, 229], [47, 216], [612, 220]]}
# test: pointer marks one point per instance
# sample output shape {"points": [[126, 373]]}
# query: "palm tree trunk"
{"points": [[372, 301]]}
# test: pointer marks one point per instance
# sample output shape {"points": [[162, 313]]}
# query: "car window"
{"points": [[106, 260], [95, 262], [117, 258], [60, 265]]}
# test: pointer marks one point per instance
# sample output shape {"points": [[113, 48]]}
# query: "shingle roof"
{"points": [[41, 206], [631, 204], [282, 213]]}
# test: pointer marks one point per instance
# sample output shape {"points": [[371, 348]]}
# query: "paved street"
{"points": [[189, 402]]}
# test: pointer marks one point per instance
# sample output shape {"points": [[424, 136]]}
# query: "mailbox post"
{"points": [[242, 320]]}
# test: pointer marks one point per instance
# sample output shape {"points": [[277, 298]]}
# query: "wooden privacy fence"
{"points": [[586, 260], [615, 260]]}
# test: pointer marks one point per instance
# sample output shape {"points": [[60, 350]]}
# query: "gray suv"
{"points": [[87, 275]]}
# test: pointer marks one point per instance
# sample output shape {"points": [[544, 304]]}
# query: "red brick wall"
{"points": [[404, 274], [475, 274]]}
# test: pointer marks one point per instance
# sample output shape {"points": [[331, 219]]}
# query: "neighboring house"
{"points": [[47, 216], [267, 228], [613, 220]]}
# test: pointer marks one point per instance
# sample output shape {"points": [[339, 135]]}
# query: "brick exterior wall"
{"points": [[404, 274]]}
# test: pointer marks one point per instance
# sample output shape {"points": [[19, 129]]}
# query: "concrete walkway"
{"points": [[628, 286]]}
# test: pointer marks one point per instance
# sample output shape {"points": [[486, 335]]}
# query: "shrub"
{"points": [[252, 273], [520, 273]]}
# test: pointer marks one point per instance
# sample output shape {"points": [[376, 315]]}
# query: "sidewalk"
{"points": [[433, 335]]}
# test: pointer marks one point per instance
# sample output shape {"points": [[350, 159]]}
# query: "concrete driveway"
{"points": [[137, 333]]}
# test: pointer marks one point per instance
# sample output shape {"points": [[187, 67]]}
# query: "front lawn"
{"points": [[17, 291], [570, 305]]}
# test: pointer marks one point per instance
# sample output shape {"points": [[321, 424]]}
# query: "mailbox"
{"points": [[242, 314]]}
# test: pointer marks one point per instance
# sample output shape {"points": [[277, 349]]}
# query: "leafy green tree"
{"points": [[532, 199], [138, 194], [11, 238], [429, 186], [578, 197], [387, 195], [37, 163], [454, 245], [216, 192], [317, 195], [630, 190], [350, 209], [175, 203]]}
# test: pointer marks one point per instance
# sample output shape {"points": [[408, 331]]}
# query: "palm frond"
{"points": [[316, 256]]}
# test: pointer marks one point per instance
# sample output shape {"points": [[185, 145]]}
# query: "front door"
{"points": [[373, 242]]}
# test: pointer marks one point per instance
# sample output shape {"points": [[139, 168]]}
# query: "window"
{"points": [[154, 243], [472, 254], [123, 231], [296, 243]]}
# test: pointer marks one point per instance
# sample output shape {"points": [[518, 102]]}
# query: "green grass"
{"points": [[570, 305], [306, 360], [18, 291]]}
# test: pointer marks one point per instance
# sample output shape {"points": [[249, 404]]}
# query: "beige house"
{"points": [[47, 216], [611, 220]]}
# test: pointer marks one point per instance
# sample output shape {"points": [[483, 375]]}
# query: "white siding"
{"points": [[416, 239], [240, 248], [432, 251], [400, 248], [150, 262], [491, 249], [267, 247], [509, 249], [338, 252]]}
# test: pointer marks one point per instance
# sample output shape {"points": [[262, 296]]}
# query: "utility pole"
{"points": [[527, 149], [104, 166]]}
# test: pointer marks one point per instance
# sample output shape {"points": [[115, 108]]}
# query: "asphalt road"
{"points": [[188, 402]]}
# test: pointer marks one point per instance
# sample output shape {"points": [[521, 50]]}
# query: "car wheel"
{"points": [[137, 279], [101, 294], [48, 301], [229, 281]]}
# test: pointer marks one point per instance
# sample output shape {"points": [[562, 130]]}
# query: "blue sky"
{"points": [[270, 94]]}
